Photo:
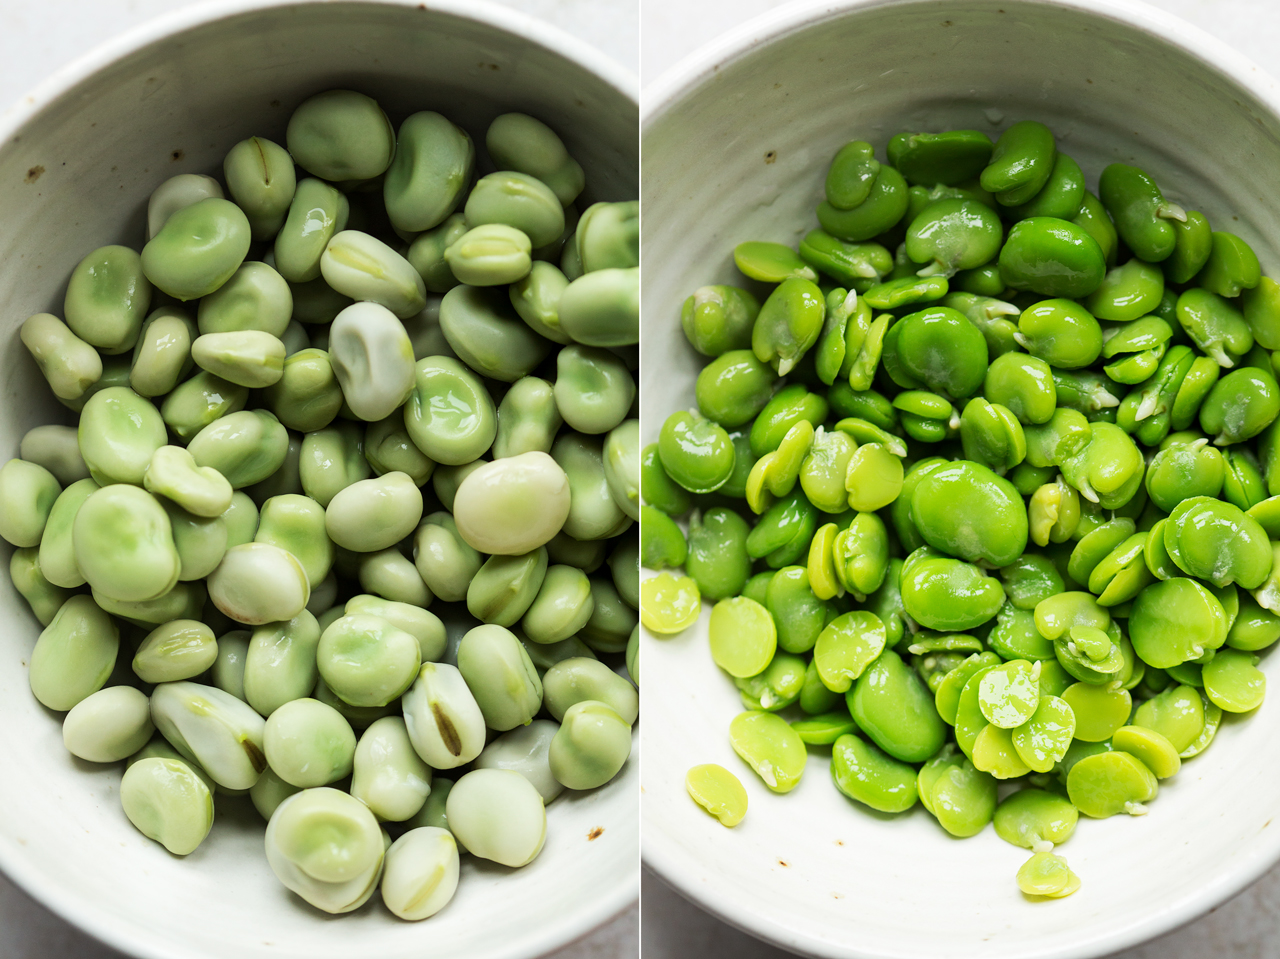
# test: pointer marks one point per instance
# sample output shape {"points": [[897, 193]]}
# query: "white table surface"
{"points": [[36, 38], [1248, 926]]}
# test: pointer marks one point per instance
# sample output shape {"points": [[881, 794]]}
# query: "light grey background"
{"points": [[1247, 927], [36, 38]]}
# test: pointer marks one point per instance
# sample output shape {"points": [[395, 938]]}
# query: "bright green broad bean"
{"points": [[1109, 783], [1154, 750], [1060, 332], [1231, 267], [717, 319], [846, 647], [943, 350], [1044, 739], [1020, 163], [716, 557], [1218, 542], [948, 594], [1035, 819], [1052, 257], [1008, 695], [1233, 682], [1214, 324], [891, 705], [951, 157], [743, 636], [1099, 710], [966, 510], [1142, 215], [852, 172], [885, 203], [770, 747], [788, 324], [952, 235], [718, 791], [1240, 406], [863, 773], [1174, 621]]}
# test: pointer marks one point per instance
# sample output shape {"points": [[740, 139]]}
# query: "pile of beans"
{"points": [[290, 445], [984, 490]]}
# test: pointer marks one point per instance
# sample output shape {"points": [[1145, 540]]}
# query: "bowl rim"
{"points": [[15, 116], [686, 79]]}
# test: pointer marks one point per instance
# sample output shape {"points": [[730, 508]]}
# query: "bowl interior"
{"points": [[75, 174], [738, 151]]}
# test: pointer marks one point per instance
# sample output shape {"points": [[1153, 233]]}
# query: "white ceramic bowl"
{"points": [[736, 142], [78, 159]]}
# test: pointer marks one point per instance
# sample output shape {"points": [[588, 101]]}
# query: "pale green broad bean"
{"points": [[213, 728], [261, 179], [259, 583], [525, 750], [501, 677], [430, 170], [69, 364], [167, 802], [497, 814], [107, 297], [109, 725], [517, 141], [446, 562], [591, 746], [28, 493], [308, 743], [372, 514], [366, 660], [335, 867], [528, 418], [513, 505], [280, 662], [178, 193], [442, 717], [388, 776], [421, 873], [57, 449], [580, 679], [364, 268], [179, 649]]}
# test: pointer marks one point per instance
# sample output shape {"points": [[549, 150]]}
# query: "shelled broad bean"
{"points": [[982, 486], [365, 379]]}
